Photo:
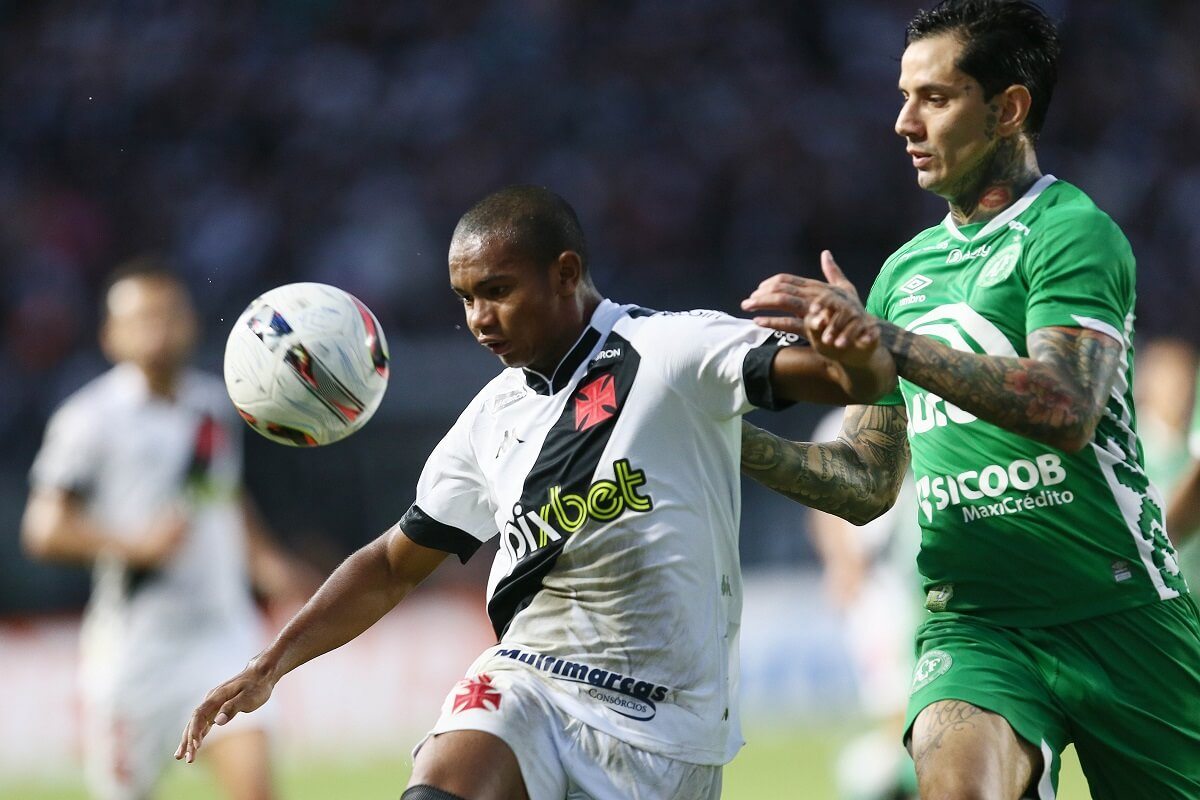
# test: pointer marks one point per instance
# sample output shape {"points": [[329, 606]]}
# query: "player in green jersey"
{"points": [[1058, 612]]}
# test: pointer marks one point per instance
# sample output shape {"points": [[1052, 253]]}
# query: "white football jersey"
{"points": [[614, 487], [131, 456]]}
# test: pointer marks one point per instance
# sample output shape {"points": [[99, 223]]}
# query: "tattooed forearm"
{"points": [[1056, 396], [856, 477]]}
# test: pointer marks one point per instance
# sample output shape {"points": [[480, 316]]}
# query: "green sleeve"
{"points": [[1080, 271], [876, 306]]}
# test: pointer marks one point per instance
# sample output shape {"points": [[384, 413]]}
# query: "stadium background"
{"points": [[705, 144]]}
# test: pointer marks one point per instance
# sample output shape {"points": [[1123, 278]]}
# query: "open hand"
{"points": [[828, 314], [241, 694]]}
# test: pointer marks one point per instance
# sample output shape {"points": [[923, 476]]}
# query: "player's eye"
{"points": [[499, 291], [937, 100]]}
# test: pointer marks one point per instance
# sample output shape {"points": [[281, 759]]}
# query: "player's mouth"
{"points": [[498, 347], [920, 158]]}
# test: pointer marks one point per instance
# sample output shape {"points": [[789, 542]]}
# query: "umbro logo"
{"points": [[913, 285]]}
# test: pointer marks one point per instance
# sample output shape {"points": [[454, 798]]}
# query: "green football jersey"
{"points": [[1014, 530]]}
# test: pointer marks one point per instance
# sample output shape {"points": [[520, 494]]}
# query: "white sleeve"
{"points": [[453, 510], [720, 363], [69, 458]]}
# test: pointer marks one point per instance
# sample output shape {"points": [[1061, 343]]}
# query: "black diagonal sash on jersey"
{"points": [[569, 458], [206, 441]]}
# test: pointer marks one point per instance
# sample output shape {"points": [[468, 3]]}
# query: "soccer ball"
{"points": [[306, 364]]}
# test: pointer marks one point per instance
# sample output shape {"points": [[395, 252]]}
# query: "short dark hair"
{"points": [[1005, 42], [538, 221]]}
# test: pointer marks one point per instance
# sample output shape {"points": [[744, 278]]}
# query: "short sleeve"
{"points": [[70, 457], [452, 511], [719, 363], [876, 306], [1080, 272]]}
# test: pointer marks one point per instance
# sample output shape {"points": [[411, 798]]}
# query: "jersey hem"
{"points": [[1081, 612], [704, 756]]}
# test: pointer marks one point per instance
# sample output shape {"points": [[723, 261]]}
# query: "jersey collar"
{"points": [[131, 386], [1004, 217], [601, 323]]}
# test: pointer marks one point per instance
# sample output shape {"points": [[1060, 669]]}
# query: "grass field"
{"points": [[792, 765]]}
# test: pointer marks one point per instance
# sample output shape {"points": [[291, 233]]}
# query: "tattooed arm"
{"points": [[856, 477], [1056, 395]]}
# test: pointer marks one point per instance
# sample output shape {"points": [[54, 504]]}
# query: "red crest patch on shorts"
{"points": [[478, 693]]}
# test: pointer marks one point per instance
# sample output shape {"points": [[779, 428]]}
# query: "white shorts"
{"points": [[132, 727], [560, 757]]}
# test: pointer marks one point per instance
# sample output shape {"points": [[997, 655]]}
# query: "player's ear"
{"points": [[567, 272], [1014, 103]]}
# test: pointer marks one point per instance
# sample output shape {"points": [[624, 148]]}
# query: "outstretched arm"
{"points": [[856, 477], [846, 363], [366, 586], [1056, 395], [811, 374]]}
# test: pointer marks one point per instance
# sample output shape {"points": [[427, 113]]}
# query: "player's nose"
{"points": [[481, 315], [908, 124]]}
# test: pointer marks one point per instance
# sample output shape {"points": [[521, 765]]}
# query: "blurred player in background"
{"points": [[1183, 512], [140, 476], [1059, 610], [1164, 388], [1169, 426], [870, 574], [605, 457]]}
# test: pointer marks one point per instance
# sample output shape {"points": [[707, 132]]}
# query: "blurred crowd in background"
{"points": [[706, 144]]}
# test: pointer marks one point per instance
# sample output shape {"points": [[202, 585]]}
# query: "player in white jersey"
{"points": [[140, 475], [606, 459]]}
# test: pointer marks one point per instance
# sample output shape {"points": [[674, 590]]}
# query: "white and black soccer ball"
{"points": [[306, 364]]}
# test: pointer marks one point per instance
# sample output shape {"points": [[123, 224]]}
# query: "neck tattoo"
{"points": [[997, 182]]}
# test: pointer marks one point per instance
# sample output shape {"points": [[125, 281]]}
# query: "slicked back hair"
{"points": [[1005, 42], [536, 220]]}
